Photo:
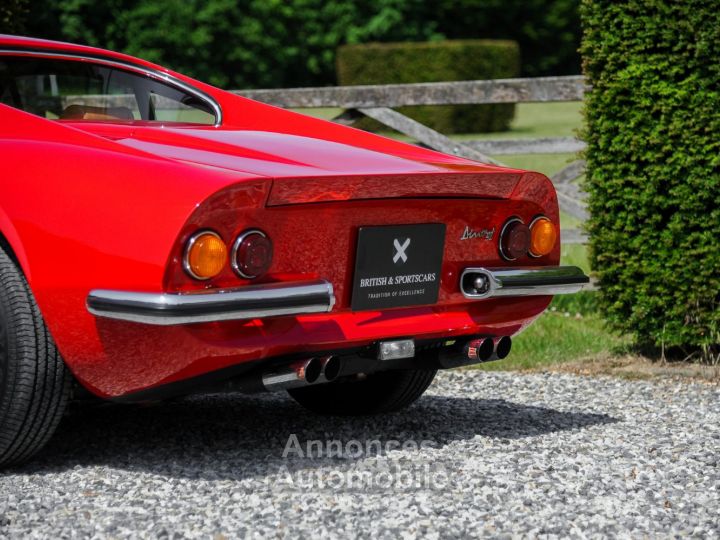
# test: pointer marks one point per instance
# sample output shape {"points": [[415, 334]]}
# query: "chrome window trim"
{"points": [[155, 74], [236, 245], [191, 241], [240, 303]]}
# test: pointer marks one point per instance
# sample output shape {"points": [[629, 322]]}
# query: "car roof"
{"points": [[36, 44]]}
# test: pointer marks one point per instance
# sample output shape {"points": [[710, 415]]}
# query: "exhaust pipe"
{"points": [[330, 368], [502, 348], [475, 351], [467, 353], [294, 375], [480, 350]]}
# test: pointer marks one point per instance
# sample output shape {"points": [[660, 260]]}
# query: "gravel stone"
{"points": [[482, 454]]}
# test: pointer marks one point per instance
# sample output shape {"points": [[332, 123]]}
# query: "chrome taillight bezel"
{"points": [[533, 222], [188, 246], [505, 226], [236, 246]]}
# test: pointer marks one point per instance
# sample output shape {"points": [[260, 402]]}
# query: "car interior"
{"points": [[62, 89]]}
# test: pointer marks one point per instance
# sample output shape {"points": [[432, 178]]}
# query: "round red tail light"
{"points": [[514, 239], [252, 254]]}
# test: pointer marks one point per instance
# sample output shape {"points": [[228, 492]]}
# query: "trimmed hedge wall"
{"points": [[387, 63], [653, 134]]}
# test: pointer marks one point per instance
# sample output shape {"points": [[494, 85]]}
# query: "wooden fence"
{"points": [[378, 102]]}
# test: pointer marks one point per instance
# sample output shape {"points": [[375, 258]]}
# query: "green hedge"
{"points": [[653, 134], [387, 63]]}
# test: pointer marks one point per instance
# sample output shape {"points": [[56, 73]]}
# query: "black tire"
{"points": [[34, 382], [382, 392]]}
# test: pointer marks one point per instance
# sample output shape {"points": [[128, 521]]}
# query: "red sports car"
{"points": [[159, 236]]}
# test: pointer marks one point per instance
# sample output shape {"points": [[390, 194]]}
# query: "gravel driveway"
{"points": [[482, 454]]}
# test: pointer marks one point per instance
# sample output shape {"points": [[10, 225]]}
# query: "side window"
{"points": [[66, 90], [108, 95], [170, 105], [75, 90]]}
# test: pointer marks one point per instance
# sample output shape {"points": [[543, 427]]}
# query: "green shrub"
{"points": [[387, 63], [653, 134]]}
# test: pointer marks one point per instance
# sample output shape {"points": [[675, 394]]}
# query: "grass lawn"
{"points": [[569, 331], [534, 120], [575, 255], [531, 120], [558, 337], [570, 342]]}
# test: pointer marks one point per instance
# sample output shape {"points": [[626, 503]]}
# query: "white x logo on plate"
{"points": [[400, 250]]}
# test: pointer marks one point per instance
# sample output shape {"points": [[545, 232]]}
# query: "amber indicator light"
{"points": [[206, 255], [543, 236]]}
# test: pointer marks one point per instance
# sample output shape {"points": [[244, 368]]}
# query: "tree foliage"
{"points": [[281, 43], [12, 16]]}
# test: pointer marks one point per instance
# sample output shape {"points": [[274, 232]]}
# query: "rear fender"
{"points": [[10, 240], [81, 212]]}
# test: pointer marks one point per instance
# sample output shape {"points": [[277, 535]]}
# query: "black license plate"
{"points": [[398, 265]]}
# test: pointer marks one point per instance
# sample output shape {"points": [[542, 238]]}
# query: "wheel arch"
{"points": [[12, 245]]}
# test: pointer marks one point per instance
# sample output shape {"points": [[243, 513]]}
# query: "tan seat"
{"points": [[87, 112]]}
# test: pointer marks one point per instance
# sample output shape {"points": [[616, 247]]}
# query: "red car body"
{"points": [[110, 205]]}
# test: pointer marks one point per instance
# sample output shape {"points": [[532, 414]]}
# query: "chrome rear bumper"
{"points": [[479, 283], [251, 302], [301, 298]]}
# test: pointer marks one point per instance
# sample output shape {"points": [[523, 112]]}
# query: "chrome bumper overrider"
{"points": [[479, 283], [251, 302]]}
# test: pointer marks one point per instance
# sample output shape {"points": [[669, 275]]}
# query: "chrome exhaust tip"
{"points": [[330, 368], [480, 350], [294, 375], [502, 347], [465, 353]]}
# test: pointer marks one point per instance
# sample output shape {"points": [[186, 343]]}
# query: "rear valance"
{"points": [[345, 188]]}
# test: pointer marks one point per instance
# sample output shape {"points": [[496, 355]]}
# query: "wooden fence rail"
{"points": [[378, 102], [541, 89]]}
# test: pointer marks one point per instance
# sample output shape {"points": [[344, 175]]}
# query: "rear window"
{"points": [[81, 90]]}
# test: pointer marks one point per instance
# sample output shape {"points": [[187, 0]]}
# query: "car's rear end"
{"points": [[170, 237], [370, 272], [325, 244]]}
